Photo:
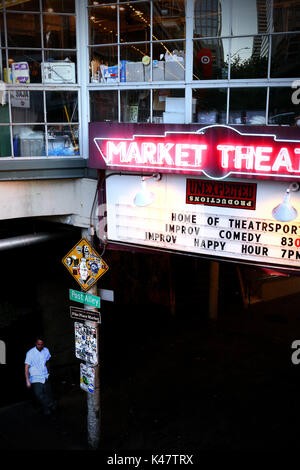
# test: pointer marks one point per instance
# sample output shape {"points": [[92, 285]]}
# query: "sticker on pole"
{"points": [[87, 378], [85, 264]]}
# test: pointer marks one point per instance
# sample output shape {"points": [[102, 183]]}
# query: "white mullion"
{"points": [[227, 105], [83, 58], [188, 104], [189, 18], [267, 105], [151, 104], [151, 47]]}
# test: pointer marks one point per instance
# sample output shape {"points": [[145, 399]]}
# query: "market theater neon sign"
{"points": [[216, 151]]}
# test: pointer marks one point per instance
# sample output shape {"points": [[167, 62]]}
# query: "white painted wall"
{"points": [[70, 198]]}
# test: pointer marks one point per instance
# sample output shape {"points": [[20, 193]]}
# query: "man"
{"points": [[37, 375]]}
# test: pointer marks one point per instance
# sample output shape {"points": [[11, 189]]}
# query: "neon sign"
{"points": [[216, 151]]}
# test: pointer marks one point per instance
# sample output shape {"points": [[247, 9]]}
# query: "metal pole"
{"points": [[93, 399]]}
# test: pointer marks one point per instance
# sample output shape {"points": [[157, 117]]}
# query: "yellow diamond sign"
{"points": [[85, 264]]}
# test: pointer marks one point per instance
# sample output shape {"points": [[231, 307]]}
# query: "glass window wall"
{"points": [[38, 46]]}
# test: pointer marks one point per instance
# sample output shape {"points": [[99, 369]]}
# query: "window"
{"points": [[38, 53], [215, 61]]}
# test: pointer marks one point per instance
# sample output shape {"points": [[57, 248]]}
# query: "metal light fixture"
{"points": [[285, 212], [145, 197]]}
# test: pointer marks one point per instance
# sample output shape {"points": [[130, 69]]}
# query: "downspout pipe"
{"points": [[31, 239]]}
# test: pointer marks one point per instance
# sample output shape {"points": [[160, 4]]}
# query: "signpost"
{"points": [[86, 266]]}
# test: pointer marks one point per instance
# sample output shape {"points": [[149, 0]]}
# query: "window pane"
{"points": [[2, 30], [33, 59], [169, 106], [63, 141], [285, 60], [27, 106], [169, 20], [135, 106], [247, 106], [59, 67], [23, 30], [135, 22], [209, 105], [104, 64], [103, 25], [29, 141], [104, 106], [211, 18], [286, 15], [251, 17], [133, 69], [26, 5], [4, 111], [59, 6], [249, 57], [173, 54], [211, 59], [284, 108], [5, 147], [59, 31], [62, 106]]}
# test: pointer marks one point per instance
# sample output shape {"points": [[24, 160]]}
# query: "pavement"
{"points": [[185, 385], [24, 427]]}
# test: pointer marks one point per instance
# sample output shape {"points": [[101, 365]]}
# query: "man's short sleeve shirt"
{"points": [[36, 360]]}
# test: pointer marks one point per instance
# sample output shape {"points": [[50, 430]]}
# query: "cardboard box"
{"points": [[134, 72], [174, 70], [158, 73], [59, 71], [174, 105], [173, 118], [20, 72]]}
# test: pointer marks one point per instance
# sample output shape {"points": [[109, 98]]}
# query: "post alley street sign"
{"points": [[214, 151]]}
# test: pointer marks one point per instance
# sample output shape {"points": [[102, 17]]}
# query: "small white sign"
{"points": [[106, 294], [20, 99]]}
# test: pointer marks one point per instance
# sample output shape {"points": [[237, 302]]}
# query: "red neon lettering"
{"points": [[244, 153], [148, 152], [198, 152], [112, 149], [163, 153], [225, 149], [260, 158], [283, 159]]}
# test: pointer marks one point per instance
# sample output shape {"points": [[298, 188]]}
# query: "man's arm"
{"points": [[28, 383]]}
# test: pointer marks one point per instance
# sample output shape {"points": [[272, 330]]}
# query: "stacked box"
{"points": [[134, 72], [158, 73], [174, 70]]}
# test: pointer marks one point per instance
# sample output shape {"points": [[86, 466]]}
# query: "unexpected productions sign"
{"points": [[214, 218], [214, 151]]}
